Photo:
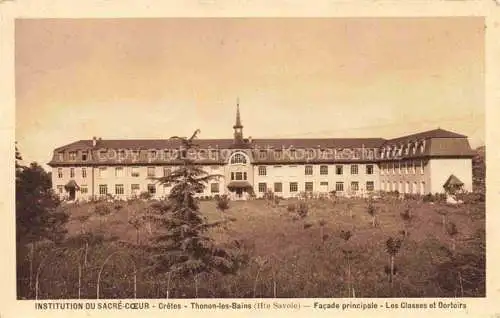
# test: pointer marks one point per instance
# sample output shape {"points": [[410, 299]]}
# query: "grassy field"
{"points": [[286, 255]]}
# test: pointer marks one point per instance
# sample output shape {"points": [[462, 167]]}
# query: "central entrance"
{"points": [[239, 190], [239, 174]]}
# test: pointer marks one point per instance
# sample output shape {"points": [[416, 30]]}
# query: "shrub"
{"points": [[302, 210], [145, 195], [290, 207], [222, 203]]}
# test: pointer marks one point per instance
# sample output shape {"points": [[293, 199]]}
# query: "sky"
{"points": [[294, 77]]}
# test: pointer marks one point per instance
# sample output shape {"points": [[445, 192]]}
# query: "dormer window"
{"points": [[72, 155], [60, 156], [422, 146], [262, 154], [278, 153], [84, 155]]}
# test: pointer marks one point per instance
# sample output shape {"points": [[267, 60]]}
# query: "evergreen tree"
{"points": [[37, 213], [182, 245]]}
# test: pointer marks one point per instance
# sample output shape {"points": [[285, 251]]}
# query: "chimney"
{"points": [[94, 141]]}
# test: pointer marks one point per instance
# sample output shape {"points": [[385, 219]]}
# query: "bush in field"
{"points": [[222, 203], [451, 229], [102, 210], [371, 210], [302, 210], [145, 195], [290, 207], [181, 246]]}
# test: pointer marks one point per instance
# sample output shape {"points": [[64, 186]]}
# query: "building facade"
{"points": [[420, 163]]}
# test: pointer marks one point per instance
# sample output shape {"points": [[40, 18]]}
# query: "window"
{"points": [[278, 153], [59, 172], [152, 189], [214, 154], [309, 186], [422, 146], [308, 170], [134, 171], [166, 171], [61, 156], [119, 189], [354, 169], [370, 186], [167, 154], [369, 169], [119, 172], [262, 187], [232, 175], [102, 172], [71, 172], [339, 169], [103, 189], [84, 172], [151, 171], [84, 156], [421, 167], [324, 183], [354, 186], [72, 155], [293, 153], [135, 188], [239, 176], [294, 187], [238, 158], [214, 188], [152, 154], [339, 186], [84, 189], [415, 188], [60, 189], [262, 154], [262, 171], [278, 187], [323, 170], [121, 154]]}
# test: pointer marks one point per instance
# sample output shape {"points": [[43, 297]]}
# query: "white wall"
{"points": [[441, 169]]}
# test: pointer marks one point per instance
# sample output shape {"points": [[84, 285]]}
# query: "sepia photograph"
{"points": [[250, 158]]}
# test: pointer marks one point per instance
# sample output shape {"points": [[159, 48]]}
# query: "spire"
{"points": [[238, 127], [238, 119]]}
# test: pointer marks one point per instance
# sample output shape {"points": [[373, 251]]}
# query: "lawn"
{"points": [[285, 254]]}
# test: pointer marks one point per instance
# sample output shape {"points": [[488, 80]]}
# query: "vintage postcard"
{"points": [[248, 159]]}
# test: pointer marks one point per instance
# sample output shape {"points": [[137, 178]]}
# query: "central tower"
{"points": [[238, 127]]}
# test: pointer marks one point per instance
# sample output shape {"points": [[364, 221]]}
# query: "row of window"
{"points": [[406, 149], [102, 172], [309, 186], [407, 167], [404, 187], [134, 189], [323, 170]]}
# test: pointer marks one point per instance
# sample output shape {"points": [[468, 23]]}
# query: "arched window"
{"points": [[238, 158]]}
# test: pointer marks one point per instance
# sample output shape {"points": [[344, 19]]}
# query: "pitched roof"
{"points": [[452, 181], [435, 133]]}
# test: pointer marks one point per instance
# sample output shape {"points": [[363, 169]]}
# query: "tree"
{"points": [[181, 245], [37, 213]]}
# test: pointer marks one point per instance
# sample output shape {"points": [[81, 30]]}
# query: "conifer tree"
{"points": [[182, 245]]}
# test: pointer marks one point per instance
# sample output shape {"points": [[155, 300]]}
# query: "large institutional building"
{"points": [[420, 163]]}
